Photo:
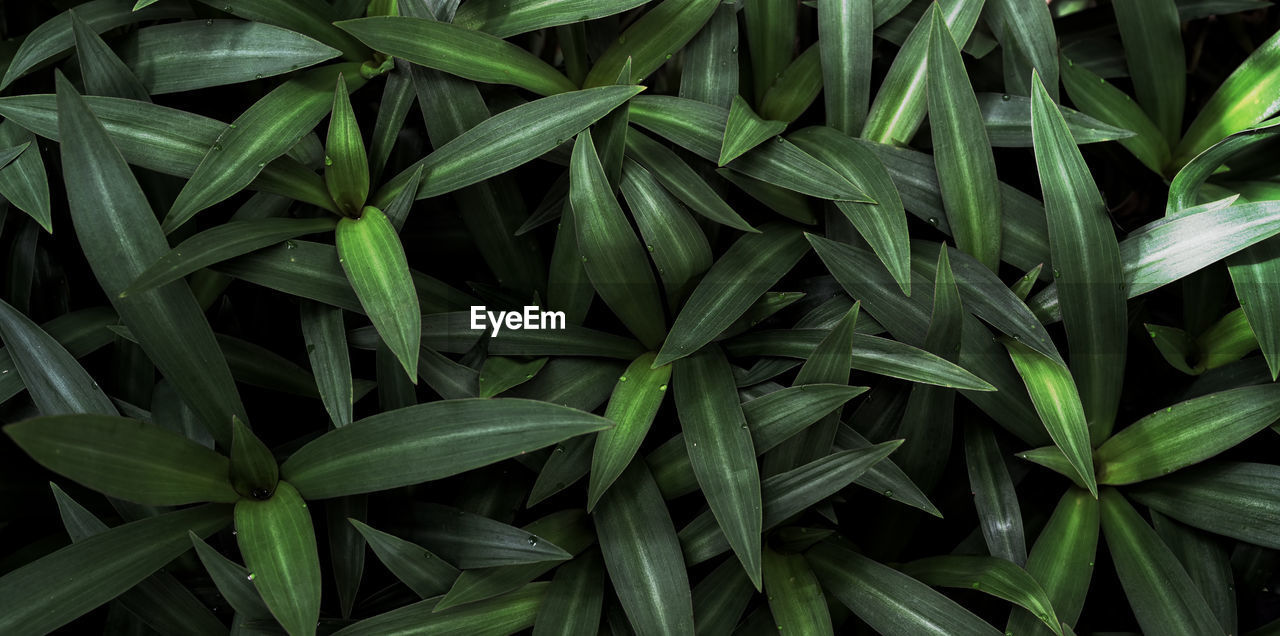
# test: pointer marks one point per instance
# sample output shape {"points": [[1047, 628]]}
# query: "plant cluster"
{"points": [[903, 317]]}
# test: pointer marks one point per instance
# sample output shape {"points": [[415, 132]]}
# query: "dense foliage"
{"points": [[899, 317]]}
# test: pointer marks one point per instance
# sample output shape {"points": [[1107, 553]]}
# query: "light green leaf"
{"points": [[635, 402], [1062, 561], [374, 260], [651, 40], [1053, 391], [1186, 433], [989, 575], [278, 542], [505, 18], [346, 167], [1152, 35], [795, 597], [795, 89], [506, 614], [744, 130]]}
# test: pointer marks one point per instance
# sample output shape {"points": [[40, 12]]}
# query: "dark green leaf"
{"points": [[57, 383], [651, 40], [425, 573]]}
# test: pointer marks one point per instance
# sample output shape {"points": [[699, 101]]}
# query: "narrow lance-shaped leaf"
{"points": [[53, 590], [1163, 597], [966, 167], [1097, 98], [643, 556], [278, 542], [1028, 41], [575, 599], [507, 140], [750, 267], [999, 513], [346, 168], [24, 181], [458, 51], [795, 596], [504, 18], [651, 40], [1053, 392], [845, 41], [232, 581], [771, 32], [425, 573], [710, 70], [990, 575], [104, 200], [1187, 433], [429, 441], [1231, 499], [55, 380], [263, 132], [254, 472], [1086, 264], [1062, 561], [614, 260], [1248, 96], [104, 73], [374, 260], [745, 130], [1151, 31], [635, 402], [193, 54], [721, 451], [126, 458]]}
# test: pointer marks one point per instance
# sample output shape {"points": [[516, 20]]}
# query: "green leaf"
{"points": [[254, 472], [1152, 37], [166, 140], [429, 441], [499, 374], [699, 128], [1053, 391], [220, 243], [680, 180], [744, 130], [787, 495], [891, 602], [771, 418], [1186, 433], [675, 242], [989, 575], [1226, 341], [635, 402], [1027, 40], [651, 40], [1232, 499], [721, 451], [506, 614], [232, 581], [313, 18], [771, 33], [125, 458], [195, 54], [574, 600], [160, 600], [51, 591], [1173, 247], [1023, 286], [845, 48], [1175, 346], [23, 181], [709, 72], [746, 271], [643, 555], [458, 51], [567, 528], [1008, 122], [425, 573], [263, 132], [326, 339], [278, 542], [612, 255], [1096, 98], [57, 383], [80, 332], [1207, 562], [720, 598], [899, 106], [472, 541], [795, 89], [507, 18], [103, 72], [1062, 560], [374, 260], [346, 167], [1086, 260], [884, 477], [118, 234], [884, 224], [507, 140], [1163, 597], [999, 513], [1248, 96], [966, 167], [54, 37], [795, 597]]}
